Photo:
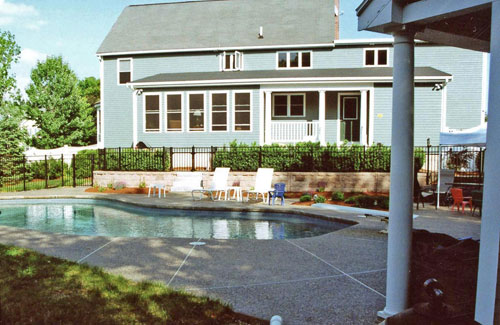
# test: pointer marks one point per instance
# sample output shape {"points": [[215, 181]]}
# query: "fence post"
{"points": [[163, 159], [24, 173], [260, 156], [212, 158], [171, 159], [92, 170], [120, 158], [74, 170], [105, 160], [62, 170], [312, 158], [46, 173], [193, 166], [427, 173]]}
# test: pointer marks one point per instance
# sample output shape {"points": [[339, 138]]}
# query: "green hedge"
{"points": [[308, 156]]}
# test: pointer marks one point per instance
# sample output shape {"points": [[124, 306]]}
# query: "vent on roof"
{"points": [[261, 32]]}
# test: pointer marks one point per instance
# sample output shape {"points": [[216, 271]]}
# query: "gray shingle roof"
{"points": [[220, 24], [285, 74]]}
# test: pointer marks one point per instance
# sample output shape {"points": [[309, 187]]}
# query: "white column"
{"points": [[490, 227], [268, 117], [362, 116], [322, 117], [401, 190], [134, 117], [261, 117]]}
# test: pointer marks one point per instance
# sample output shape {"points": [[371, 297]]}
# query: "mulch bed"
{"points": [[327, 195], [453, 262], [126, 190]]}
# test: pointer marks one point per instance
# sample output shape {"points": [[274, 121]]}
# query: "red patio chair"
{"points": [[459, 199]]}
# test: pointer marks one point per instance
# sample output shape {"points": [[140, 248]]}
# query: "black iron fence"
{"points": [[26, 173]]}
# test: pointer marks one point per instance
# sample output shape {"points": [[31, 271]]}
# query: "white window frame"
{"points": [[375, 58], [118, 70], [357, 108], [236, 60], [288, 60], [188, 111], [234, 109], [166, 111], [159, 112], [210, 111], [289, 104]]}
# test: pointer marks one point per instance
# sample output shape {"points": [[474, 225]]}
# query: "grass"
{"points": [[39, 184], [39, 289]]}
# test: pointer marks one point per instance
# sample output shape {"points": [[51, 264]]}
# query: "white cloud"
{"points": [[36, 25], [12, 9], [6, 20], [30, 56]]}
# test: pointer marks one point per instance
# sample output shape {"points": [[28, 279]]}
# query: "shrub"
{"points": [[352, 199], [337, 196], [36, 169], [305, 198], [382, 202], [319, 199], [365, 201], [120, 185]]}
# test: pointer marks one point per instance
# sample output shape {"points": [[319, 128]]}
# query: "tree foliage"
{"points": [[57, 106], [90, 89], [9, 54]]}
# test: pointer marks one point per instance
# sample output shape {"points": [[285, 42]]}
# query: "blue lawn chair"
{"points": [[279, 191]]}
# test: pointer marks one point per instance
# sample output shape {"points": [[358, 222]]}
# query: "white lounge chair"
{"points": [[187, 181], [262, 186], [219, 184]]}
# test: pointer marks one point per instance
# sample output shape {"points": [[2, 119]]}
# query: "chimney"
{"points": [[337, 19]]}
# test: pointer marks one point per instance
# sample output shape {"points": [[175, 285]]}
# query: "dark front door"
{"points": [[349, 118]]}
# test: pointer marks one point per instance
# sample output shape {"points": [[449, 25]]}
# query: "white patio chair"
{"points": [[219, 184], [262, 186]]}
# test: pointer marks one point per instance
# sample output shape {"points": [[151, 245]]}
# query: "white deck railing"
{"points": [[297, 131]]}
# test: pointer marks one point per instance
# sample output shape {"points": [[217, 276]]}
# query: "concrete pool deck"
{"points": [[336, 278]]}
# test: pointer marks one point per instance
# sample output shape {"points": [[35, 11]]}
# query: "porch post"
{"points": [[322, 117], [490, 222], [401, 189], [268, 117], [134, 117], [362, 117]]}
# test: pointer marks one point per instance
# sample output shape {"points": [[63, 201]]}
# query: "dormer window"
{"points": [[294, 60], [124, 71], [376, 57], [231, 61]]}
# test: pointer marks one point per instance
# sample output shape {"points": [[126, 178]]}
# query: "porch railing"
{"points": [[291, 132]]}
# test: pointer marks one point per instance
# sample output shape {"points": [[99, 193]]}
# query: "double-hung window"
{"points": [[196, 112], [376, 57], [124, 71], [289, 105], [294, 60], [218, 110], [242, 111], [152, 113], [174, 112], [232, 61]]}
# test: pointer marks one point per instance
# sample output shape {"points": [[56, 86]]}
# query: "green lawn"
{"points": [[39, 184], [38, 289]]}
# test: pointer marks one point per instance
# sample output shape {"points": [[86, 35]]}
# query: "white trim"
{"points": [[444, 108], [210, 93], [268, 105], [322, 116], [363, 111], [371, 115], [288, 67], [101, 75], [232, 48], [271, 81], [375, 57], [134, 117], [484, 88], [238, 64], [159, 94], [234, 109], [188, 127], [261, 117], [371, 41], [289, 104], [165, 113], [118, 70]]}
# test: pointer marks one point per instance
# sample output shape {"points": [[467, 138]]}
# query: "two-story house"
{"points": [[268, 71]]}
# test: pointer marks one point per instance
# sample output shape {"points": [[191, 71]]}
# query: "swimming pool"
{"points": [[106, 218]]}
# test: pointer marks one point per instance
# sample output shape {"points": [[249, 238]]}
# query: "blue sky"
{"points": [[75, 29]]}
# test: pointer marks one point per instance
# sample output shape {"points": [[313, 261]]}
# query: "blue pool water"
{"points": [[105, 218]]}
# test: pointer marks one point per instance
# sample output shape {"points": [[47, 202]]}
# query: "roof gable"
{"points": [[220, 24]]}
